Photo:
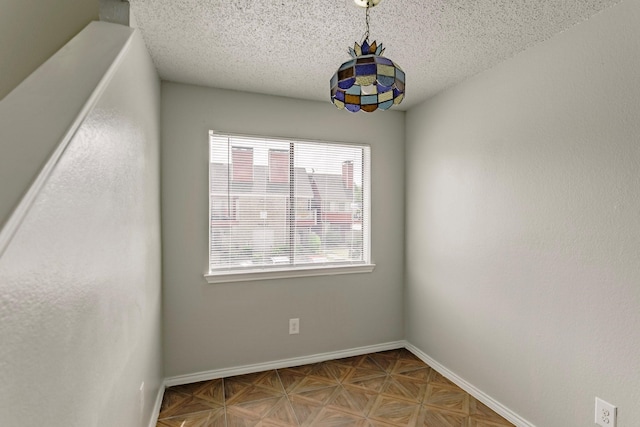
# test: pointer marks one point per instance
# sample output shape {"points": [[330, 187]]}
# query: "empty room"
{"points": [[320, 213]]}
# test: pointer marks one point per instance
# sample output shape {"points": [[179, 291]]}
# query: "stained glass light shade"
{"points": [[368, 81]]}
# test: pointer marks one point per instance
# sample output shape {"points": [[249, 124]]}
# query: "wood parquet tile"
{"points": [[397, 412], [386, 389], [353, 400]]}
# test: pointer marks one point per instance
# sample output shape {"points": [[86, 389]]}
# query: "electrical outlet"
{"points": [[605, 413], [294, 326]]}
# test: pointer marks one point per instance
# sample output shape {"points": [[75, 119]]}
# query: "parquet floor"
{"points": [[390, 388]]}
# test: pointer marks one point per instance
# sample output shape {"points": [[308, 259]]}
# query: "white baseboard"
{"points": [[496, 406], [156, 407], [279, 364]]}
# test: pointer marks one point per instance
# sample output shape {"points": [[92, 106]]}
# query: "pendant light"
{"points": [[369, 81]]}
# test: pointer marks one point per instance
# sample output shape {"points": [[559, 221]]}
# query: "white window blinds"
{"points": [[285, 204]]}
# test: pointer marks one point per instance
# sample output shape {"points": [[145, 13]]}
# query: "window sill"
{"points": [[249, 275]]}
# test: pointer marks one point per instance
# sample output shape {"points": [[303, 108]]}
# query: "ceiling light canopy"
{"points": [[368, 81]]}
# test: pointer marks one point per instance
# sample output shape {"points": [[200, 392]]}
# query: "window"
{"points": [[286, 208]]}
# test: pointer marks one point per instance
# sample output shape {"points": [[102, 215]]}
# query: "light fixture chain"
{"points": [[366, 34]]}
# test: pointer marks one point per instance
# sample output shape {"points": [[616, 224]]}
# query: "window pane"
{"points": [[276, 203], [335, 174]]}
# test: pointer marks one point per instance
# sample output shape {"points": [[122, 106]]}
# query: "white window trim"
{"points": [[231, 276], [282, 273]]}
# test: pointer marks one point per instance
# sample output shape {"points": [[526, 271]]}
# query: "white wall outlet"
{"points": [[605, 413], [294, 326]]}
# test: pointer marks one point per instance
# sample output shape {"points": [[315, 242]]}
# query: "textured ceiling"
{"points": [[293, 47]]}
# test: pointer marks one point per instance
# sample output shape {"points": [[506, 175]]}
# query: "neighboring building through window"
{"points": [[242, 164], [281, 204]]}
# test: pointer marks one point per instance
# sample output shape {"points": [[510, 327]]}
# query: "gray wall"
{"points": [[32, 31], [80, 280], [228, 325], [523, 225]]}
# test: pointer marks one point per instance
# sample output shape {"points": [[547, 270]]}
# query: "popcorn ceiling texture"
{"points": [[292, 47]]}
